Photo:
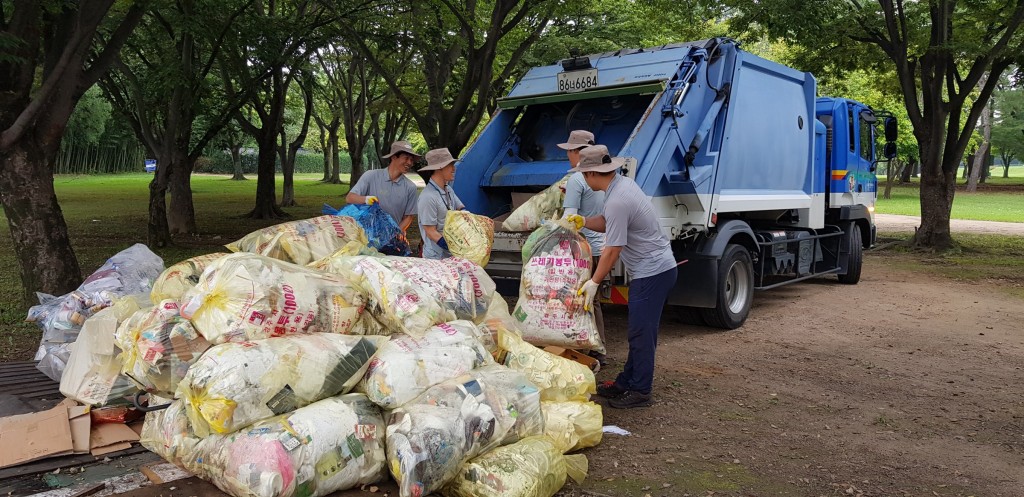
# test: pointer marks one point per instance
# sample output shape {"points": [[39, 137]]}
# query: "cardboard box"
{"points": [[38, 435], [573, 355], [111, 437], [80, 423]]}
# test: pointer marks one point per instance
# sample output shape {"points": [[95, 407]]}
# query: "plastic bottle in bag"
{"points": [[181, 277], [159, 346], [302, 242], [531, 467]]}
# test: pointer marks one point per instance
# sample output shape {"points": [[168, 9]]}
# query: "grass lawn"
{"points": [[108, 213], [999, 199]]}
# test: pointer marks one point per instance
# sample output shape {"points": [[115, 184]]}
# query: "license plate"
{"points": [[577, 80]]}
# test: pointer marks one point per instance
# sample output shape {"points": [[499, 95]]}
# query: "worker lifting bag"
{"points": [[556, 262], [236, 384], [303, 241], [544, 205]]}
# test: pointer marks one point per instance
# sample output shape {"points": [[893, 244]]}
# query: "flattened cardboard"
{"points": [[28, 437], [573, 355], [110, 437], [80, 422], [99, 451]]}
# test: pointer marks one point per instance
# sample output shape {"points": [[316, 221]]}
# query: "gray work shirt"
{"points": [[588, 203], [631, 223], [434, 204], [397, 198]]}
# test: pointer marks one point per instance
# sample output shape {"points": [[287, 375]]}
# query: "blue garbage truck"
{"points": [[757, 181]]}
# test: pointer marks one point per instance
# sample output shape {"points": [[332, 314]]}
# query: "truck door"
{"points": [[861, 166]]}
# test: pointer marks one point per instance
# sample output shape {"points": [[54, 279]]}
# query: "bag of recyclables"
{"points": [[93, 373], [573, 425], [159, 346], [556, 262], [469, 236], [531, 467], [557, 377], [382, 232], [129, 272], [168, 432], [235, 384], [431, 437], [544, 205], [331, 445], [303, 241], [246, 296], [179, 278], [407, 366]]}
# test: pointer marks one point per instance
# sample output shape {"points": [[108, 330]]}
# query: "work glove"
{"points": [[576, 220], [370, 200], [442, 243], [588, 291]]}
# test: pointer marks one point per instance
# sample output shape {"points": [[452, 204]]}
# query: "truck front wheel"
{"points": [[735, 289], [856, 258]]}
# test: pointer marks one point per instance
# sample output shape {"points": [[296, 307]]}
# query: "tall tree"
{"points": [[163, 85], [1008, 125], [289, 150], [50, 54], [940, 49]]}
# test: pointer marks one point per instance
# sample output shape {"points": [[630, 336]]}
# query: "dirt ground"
{"points": [[898, 223], [905, 384]]}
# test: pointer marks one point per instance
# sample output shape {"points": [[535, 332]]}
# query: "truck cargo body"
{"points": [[755, 180]]}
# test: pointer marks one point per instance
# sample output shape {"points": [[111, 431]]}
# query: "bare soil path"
{"points": [[894, 222]]}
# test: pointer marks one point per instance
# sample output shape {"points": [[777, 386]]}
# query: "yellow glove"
{"points": [[588, 291], [576, 220], [371, 200]]}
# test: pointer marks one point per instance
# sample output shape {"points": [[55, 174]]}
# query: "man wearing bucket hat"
{"points": [[436, 200], [580, 199], [632, 232], [389, 186]]}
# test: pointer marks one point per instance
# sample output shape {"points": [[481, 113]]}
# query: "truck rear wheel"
{"points": [[856, 258], [735, 289]]}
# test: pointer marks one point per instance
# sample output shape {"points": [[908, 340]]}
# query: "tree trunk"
{"points": [[908, 169], [1006, 166], [893, 171], [980, 165], [266, 197], [326, 147], [46, 261], [236, 163], [335, 156], [181, 217], [158, 232], [288, 172]]}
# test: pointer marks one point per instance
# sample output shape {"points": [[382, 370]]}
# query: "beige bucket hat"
{"points": [[401, 146], [578, 139], [596, 159], [438, 158]]}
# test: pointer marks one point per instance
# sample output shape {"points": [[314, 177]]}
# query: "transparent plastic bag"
{"points": [[432, 436], [469, 236], [246, 296], [159, 346], [304, 241], [409, 295], [236, 384], [129, 272], [181, 277], [381, 229], [556, 262], [406, 366], [168, 433], [531, 467], [557, 377], [542, 206], [573, 425], [93, 373]]}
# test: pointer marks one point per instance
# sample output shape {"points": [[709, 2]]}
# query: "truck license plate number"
{"points": [[577, 80]]}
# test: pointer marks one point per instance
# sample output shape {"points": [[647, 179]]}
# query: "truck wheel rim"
{"points": [[736, 284]]}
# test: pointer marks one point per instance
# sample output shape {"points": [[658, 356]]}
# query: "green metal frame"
{"points": [[641, 89]]}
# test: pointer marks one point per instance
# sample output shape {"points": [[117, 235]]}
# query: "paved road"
{"points": [[892, 222]]}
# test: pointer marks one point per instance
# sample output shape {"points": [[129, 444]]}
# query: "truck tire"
{"points": [[856, 258], [735, 289]]}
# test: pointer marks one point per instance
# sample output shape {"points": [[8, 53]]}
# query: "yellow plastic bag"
{"points": [[531, 467], [557, 377], [544, 205], [573, 425], [179, 278], [302, 242], [159, 346], [469, 236]]}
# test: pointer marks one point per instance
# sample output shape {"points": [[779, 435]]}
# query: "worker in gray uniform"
{"points": [[435, 201], [632, 233], [389, 186], [580, 199]]}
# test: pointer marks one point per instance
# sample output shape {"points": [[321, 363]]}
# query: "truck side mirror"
{"points": [[891, 130], [889, 150]]}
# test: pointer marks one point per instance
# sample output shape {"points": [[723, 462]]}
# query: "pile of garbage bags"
{"points": [[382, 232], [302, 242], [272, 378]]}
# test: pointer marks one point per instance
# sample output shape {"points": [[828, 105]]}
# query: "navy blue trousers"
{"points": [[647, 297]]}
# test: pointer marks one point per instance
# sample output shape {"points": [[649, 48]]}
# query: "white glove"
{"points": [[576, 220], [370, 200], [588, 291]]}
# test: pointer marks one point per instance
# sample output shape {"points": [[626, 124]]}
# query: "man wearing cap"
{"points": [[436, 200], [389, 186], [632, 232], [580, 199]]}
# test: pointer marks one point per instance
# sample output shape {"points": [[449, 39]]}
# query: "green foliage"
{"points": [[1008, 128], [219, 162], [89, 120]]}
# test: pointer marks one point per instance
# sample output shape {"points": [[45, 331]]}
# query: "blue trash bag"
{"points": [[381, 229]]}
